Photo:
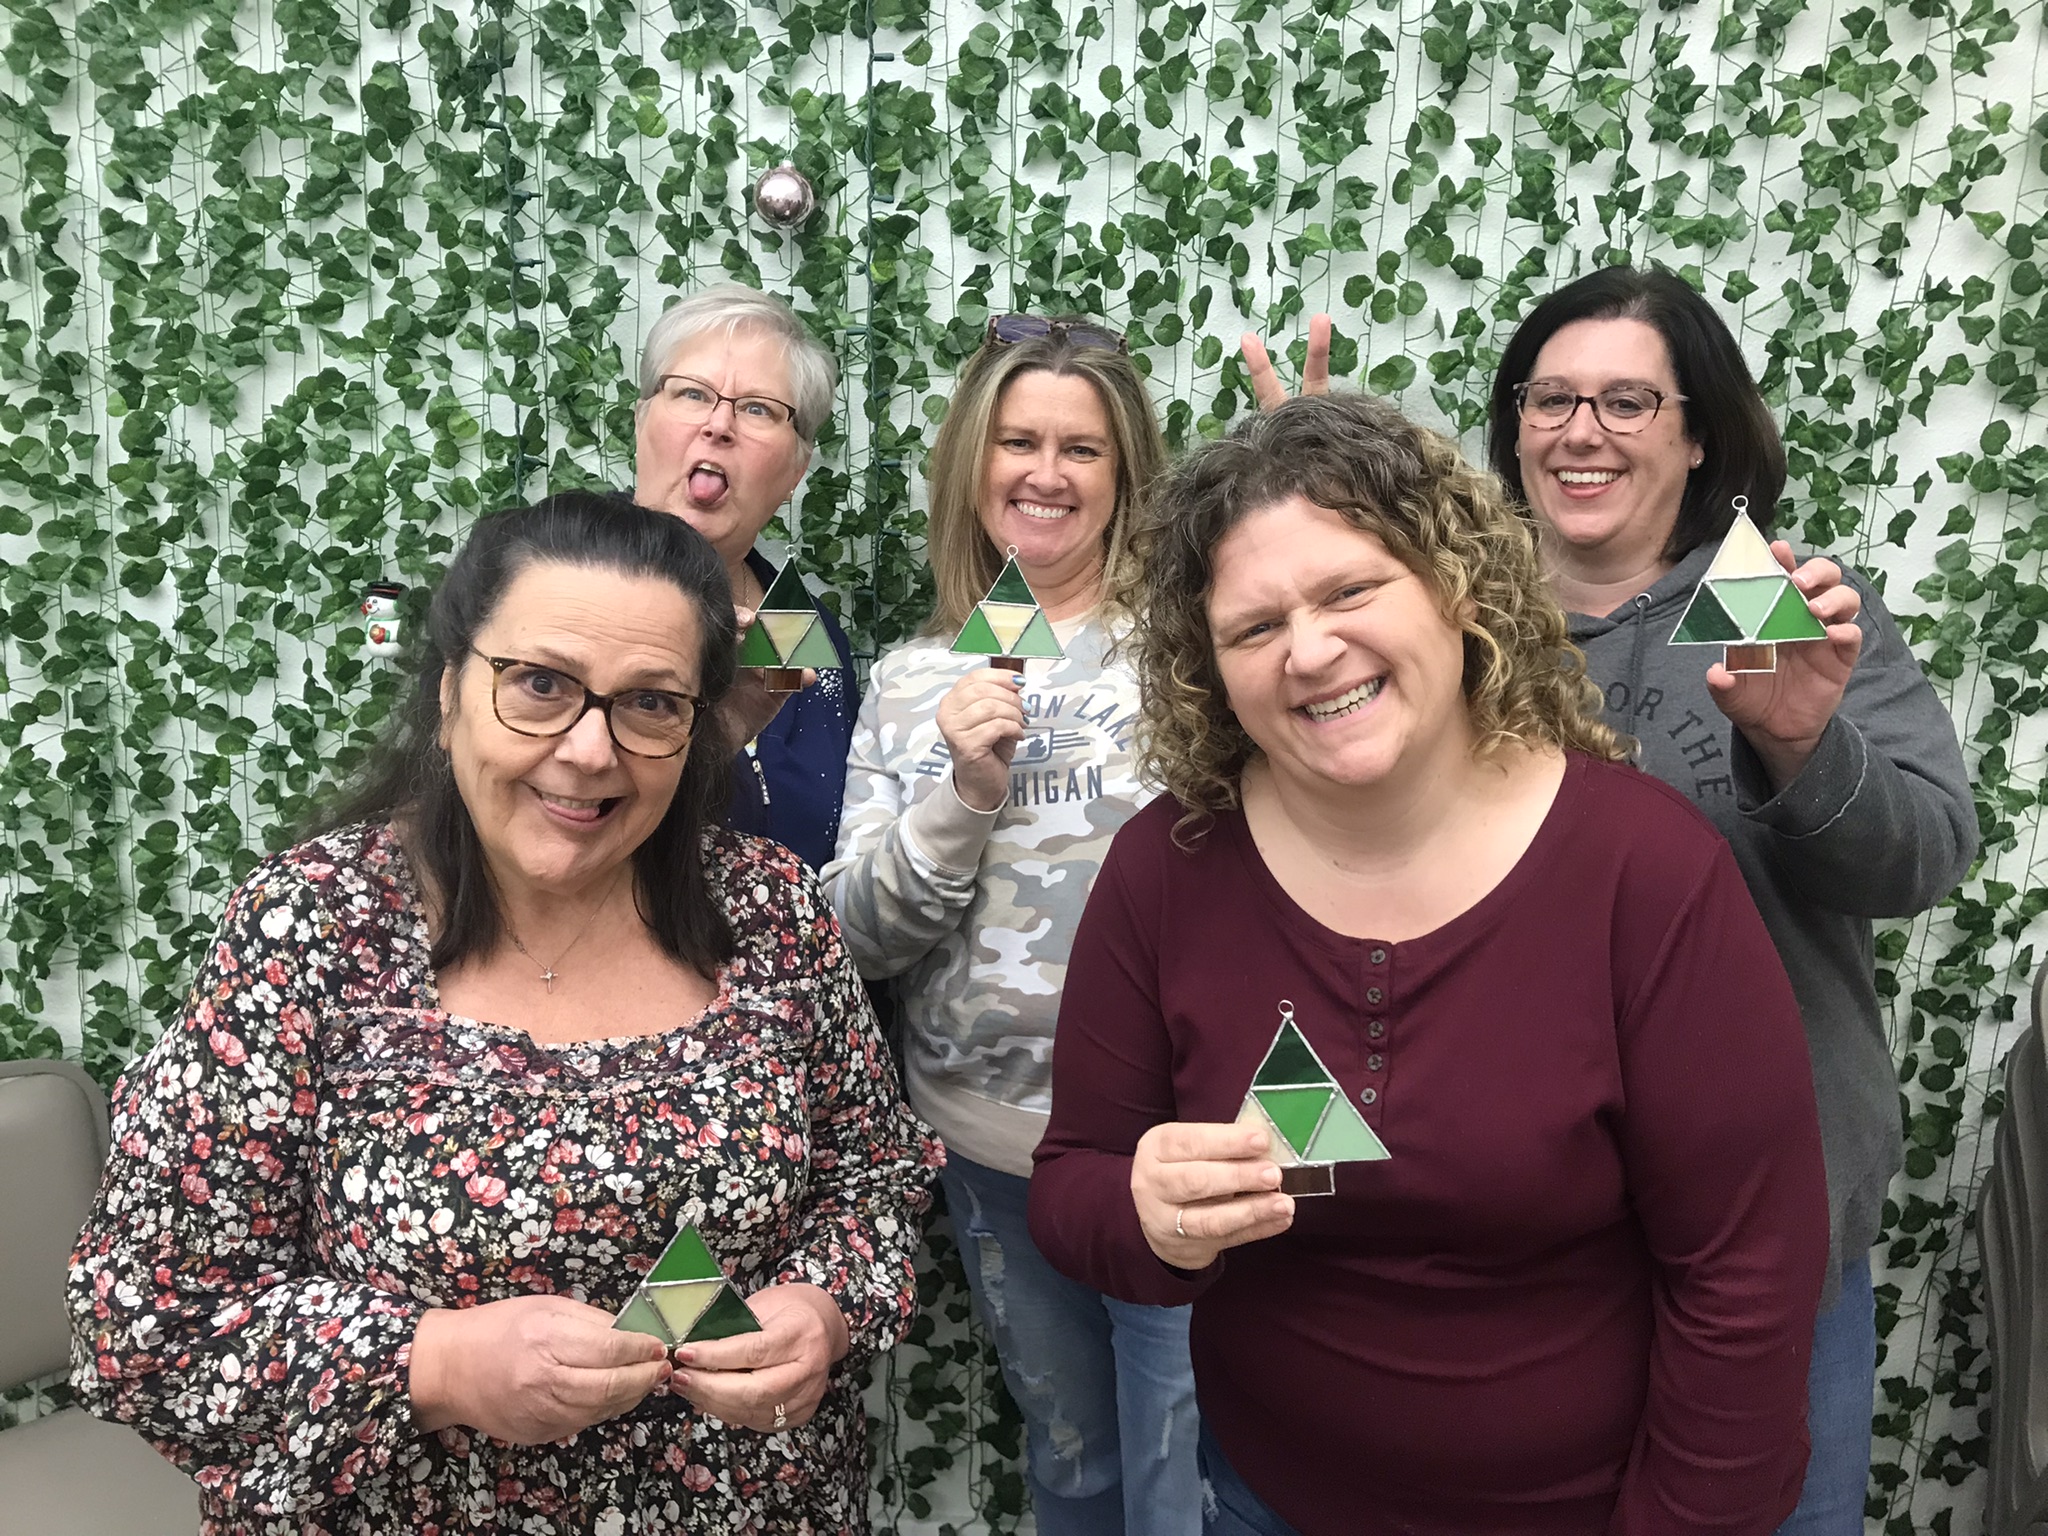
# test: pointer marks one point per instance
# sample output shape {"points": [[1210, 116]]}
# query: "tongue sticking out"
{"points": [[706, 486]]}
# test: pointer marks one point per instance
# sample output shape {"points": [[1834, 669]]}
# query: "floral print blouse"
{"points": [[317, 1153]]}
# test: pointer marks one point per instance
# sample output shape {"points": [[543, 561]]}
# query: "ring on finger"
{"points": [[1178, 1212], [781, 1416]]}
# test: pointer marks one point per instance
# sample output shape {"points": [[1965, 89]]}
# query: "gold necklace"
{"points": [[548, 973]]}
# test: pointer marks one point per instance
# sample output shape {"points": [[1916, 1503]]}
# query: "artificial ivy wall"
{"points": [[291, 291]]}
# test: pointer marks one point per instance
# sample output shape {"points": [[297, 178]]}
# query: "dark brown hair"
{"points": [[1740, 452], [410, 780]]}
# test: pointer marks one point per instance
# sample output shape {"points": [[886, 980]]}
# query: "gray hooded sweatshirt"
{"points": [[1879, 823]]}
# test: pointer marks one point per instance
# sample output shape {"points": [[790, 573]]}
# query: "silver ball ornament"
{"points": [[784, 196]]}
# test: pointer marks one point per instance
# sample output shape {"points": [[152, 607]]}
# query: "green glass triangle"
{"points": [[639, 1316], [787, 593], [726, 1316], [976, 638], [756, 649], [1345, 1138], [1011, 587], [1791, 619], [1705, 622], [1038, 640], [1749, 599], [685, 1258], [1295, 1112], [1290, 1061], [814, 650]]}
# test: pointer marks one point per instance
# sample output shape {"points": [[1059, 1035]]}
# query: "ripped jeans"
{"points": [[1106, 1389]]}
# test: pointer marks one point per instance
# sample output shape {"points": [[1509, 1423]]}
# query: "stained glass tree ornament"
{"points": [[1746, 603], [1310, 1122], [686, 1298], [1008, 625], [787, 634]]}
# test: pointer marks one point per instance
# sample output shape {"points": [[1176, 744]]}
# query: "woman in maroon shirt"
{"points": [[1578, 1293]]}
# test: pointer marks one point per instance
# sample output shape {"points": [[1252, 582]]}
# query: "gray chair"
{"points": [[2012, 1224], [67, 1474]]}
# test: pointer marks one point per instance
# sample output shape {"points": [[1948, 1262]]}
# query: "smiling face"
{"points": [[726, 483], [1048, 483], [1334, 656], [1609, 499], [560, 814]]}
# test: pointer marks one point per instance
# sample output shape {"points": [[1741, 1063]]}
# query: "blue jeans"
{"points": [[1106, 1389], [1841, 1387], [1229, 1508]]}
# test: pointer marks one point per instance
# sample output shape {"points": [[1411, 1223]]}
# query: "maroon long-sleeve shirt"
{"points": [[1579, 1296]]}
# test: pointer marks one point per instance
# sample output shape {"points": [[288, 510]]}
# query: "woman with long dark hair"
{"points": [[459, 1066], [1626, 420]]}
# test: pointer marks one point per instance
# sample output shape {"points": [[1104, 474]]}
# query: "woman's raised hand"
{"points": [[1782, 713], [746, 1379], [530, 1369], [1203, 1187], [1315, 371], [982, 719]]}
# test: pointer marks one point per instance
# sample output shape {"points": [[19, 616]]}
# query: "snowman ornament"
{"points": [[380, 619]]}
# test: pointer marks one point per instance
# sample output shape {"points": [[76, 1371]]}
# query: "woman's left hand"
{"points": [[743, 1380], [750, 704], [1782, 713]]}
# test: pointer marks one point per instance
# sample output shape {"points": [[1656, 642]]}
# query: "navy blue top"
{"points": [[791, 786]]}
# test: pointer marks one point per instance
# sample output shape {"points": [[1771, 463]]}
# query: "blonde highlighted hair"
{"points": [[1451, 524], [965, 562]]}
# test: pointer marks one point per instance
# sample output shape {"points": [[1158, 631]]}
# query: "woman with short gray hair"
{"points": [[733, 391]]}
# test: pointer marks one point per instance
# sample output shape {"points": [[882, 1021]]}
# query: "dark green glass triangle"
{"points": [[1295, 1112], [685, 1258], [1345, 1137], [756, 649], [976, 638], [1011, 587], [1290, 1061], [725, 1317], [1038, 640], [1749, 599], [814, 650], [1705, 621], [787, 593], [1791, 619]]}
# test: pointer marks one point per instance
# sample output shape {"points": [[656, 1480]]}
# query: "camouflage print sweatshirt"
{"points": [[977, 911]]}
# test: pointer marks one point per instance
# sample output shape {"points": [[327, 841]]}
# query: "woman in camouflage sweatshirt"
{"points": [[979, 805]]}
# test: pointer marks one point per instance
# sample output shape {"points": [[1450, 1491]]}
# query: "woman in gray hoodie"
{"points": [[1625, 418]]}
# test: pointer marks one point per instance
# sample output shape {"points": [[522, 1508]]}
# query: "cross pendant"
{"points": [[548, 976]]}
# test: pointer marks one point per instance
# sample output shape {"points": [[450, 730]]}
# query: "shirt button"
{"points": [[1374, 1062], [1368, 1095], [1377, 1029], [1375, 995], [1379, 957]]}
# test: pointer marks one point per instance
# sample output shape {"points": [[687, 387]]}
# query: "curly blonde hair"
{"points": [[1451, 524]]}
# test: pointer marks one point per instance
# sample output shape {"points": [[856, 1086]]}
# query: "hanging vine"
{"points": [[290, 292]]}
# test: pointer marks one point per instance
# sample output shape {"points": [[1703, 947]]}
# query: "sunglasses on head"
{"points": [[1008, 330]]}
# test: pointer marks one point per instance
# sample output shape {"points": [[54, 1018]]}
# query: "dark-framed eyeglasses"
{"points": [[1008, 330], [536, 700], [693, 400], [1547, 405]]}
